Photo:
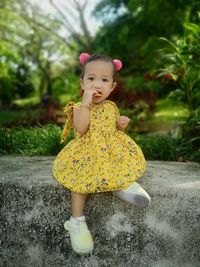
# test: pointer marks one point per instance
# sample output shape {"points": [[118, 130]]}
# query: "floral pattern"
{"points": [[102, 159]]}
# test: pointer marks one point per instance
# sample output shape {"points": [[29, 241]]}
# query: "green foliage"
{"points": [[138, 114], [26, 102], [168, 148], [17, 116], [169, 110], [66, 88], [184, 67], [15, 77], [131, 29], [23, 85], [15, 84], [32, 50], [46, 141], [6, 83], [138, 83], [30, 141]]}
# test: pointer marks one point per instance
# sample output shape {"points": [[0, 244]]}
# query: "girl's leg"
{"points": [[78, 203], [81, 238]]}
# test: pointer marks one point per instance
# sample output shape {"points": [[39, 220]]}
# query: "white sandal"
{"points": [[135, 195], [81, 238]]}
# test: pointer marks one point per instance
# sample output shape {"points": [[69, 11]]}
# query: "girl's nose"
{"points": [[97, 84]]}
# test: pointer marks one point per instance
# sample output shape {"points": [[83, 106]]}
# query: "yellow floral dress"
{"points": [[102, 159]]}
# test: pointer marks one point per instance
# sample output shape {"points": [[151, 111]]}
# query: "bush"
{"points": [[46, 141], [168, 148], [30, 141], [184, 69]]}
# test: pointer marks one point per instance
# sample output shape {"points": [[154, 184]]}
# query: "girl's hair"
{"points": [[96, 57]]}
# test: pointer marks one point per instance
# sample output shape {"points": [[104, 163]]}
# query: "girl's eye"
{"points": [[105, 80], [91, 78]]}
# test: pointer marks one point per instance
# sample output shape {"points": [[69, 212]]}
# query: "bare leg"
{"points": [[78, 203], [80, 235]]}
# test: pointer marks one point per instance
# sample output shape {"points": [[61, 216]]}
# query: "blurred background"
{"points": [[158, 87]]}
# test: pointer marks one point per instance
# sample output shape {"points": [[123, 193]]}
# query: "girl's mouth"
{"points": [[98, 94]]}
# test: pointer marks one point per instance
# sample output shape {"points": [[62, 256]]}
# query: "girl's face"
{"points": [[99, 76]]}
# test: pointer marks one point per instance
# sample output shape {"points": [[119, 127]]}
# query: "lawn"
{"points": [[169, 111]]}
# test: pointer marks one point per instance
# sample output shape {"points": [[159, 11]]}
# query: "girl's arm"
{"points": [[81, 119]]}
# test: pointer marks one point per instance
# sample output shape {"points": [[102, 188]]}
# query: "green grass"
{"points": [[168, 110], [46, 141], [168, 114]]}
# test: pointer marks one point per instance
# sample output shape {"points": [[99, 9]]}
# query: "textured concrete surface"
{"points": [[34, 208]]}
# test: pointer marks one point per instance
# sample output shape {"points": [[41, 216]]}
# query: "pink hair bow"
{"points": [[85, 56], [118, 64]]}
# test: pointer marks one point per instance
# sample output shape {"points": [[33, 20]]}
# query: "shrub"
{"points": [[46, 141], [184, 69]]}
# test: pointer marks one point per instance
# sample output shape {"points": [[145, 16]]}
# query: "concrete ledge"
{"points": [[34, 208]]}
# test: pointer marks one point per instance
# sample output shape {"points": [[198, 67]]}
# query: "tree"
{"points": [[15, 77], [37, 37], [132, 27], [74, 9]]}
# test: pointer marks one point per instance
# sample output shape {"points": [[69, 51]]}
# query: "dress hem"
{"points": [[95, 192]]}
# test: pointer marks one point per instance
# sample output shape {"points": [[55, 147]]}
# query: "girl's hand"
{"points": [[88, 96], [122, 122]]}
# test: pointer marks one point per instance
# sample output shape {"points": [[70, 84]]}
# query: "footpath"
{"points": [[34, 208]]}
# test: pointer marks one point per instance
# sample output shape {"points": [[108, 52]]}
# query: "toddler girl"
{"points": [[101, 157]]}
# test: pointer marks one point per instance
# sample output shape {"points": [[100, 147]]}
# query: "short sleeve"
{"points": [[117, 111], [68, 110], [77, 105]]}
